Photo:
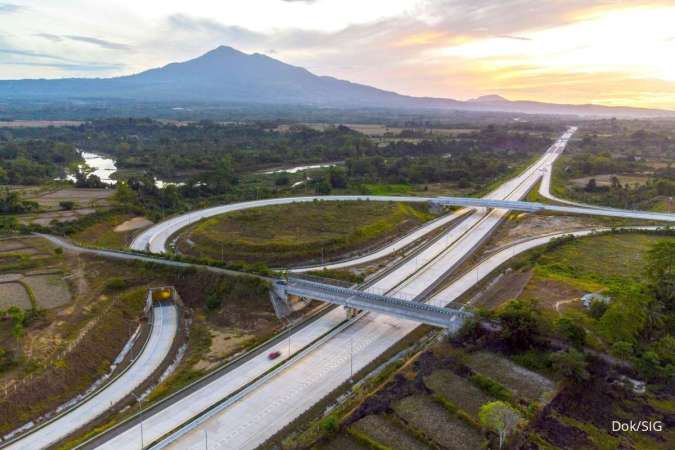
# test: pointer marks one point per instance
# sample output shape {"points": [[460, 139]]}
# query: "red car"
{"points": [[274, 354]]}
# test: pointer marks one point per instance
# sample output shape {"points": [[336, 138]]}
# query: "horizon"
{"points": [[556, 52]]}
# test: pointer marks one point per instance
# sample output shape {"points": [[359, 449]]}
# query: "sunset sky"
{"points": [[566, 51]]}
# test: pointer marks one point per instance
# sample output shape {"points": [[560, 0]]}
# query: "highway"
{"points": [[262, 412], [155, 351]]}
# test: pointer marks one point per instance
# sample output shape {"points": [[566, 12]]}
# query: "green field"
{"points": [[301, 232]]}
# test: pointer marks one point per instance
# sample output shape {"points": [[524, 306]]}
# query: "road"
{"points": [[157, 347], [265, 410]]}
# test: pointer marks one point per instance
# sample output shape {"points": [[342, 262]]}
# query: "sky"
{"points": [[565, 51]]}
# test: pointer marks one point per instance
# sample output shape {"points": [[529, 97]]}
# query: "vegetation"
{"points": [[34, 161], [635, 159], [500, 418], [300, 232]]}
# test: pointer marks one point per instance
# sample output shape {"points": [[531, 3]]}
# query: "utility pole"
{"points": [[206, 440], [140, 413]]}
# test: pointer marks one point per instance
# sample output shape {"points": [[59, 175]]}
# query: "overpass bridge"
{"points": [[354, 299], [534, 207]]}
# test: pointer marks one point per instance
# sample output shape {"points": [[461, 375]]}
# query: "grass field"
{"points": [[107, 233], [300, 232]]}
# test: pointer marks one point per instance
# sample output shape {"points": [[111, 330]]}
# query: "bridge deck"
{"points": [[353, 298]]}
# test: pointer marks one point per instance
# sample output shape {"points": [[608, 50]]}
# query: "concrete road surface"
{"points": [[165, 326], [261, 413]]}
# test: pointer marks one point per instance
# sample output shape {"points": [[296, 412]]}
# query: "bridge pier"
{"points": [[279, 299], [351, 312]]}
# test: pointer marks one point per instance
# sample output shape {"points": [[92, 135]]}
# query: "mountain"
{"points": [[225, 75]]}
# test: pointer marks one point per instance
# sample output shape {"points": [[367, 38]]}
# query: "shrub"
{"points": [[491, 387], [115, 284], [572, 332], [67, 205], [571, 365], [329, 424]]}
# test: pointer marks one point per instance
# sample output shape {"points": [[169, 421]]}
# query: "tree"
{"points": [[571, 364], [574, 334], [591, 186], [500, 418], [660, 271], [597, 308], [337, 178], [520, 324], [282, 180], [322, 188]]}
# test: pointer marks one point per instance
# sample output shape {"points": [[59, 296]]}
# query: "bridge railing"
{"points": [[303, 287]]}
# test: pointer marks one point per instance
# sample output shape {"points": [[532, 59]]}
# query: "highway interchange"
{"points": [[243, 414]]}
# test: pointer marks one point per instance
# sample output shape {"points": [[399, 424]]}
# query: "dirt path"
{"points": [[562, 302]]}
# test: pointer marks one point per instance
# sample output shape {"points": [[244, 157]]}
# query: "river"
{"points": [[103, 167]]}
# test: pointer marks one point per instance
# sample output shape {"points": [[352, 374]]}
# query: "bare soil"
{"points": [[50, 291], [549, 292], [133, 224], [385, 431], [510, 286], [432, 419], [14, 294], [83, 198], [524, 383], [457, 390]]}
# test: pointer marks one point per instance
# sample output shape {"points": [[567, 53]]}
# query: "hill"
{"points": [[226, 75]]}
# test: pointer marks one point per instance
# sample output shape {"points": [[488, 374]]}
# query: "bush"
{"points": [[329, 424], [213, 301], [521, 324], [572, 332], [491, 387], [571, 365], [115, 284], [67, 205], [597, 309]]}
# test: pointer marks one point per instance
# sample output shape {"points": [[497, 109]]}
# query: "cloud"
{"points": [[516, 38], [83, 67], [49, 36], [9, 8], [99, 42], [185, 23], [12, 51], [86, 39]]}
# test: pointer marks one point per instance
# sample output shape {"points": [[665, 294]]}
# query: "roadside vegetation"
{"points": [[64, 318], [542, 373], [623, 164]]}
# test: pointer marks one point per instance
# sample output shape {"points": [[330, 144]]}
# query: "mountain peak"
{"points": [[489, 99]]}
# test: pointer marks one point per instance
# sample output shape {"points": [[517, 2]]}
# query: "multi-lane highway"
{"points": [[155, 351], [291, 390]]}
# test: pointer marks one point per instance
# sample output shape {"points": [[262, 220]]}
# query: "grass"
{"points": [[600, 258], [301, 232], [102, 234]]}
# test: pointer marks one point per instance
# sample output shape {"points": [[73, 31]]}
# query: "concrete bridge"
{"points": [[534, 207], [354, 299]]}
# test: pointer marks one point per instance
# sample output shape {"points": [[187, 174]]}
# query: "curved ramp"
{"points": [[156, 349]]}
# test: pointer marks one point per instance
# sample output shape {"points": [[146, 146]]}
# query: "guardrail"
{"points": [[88, 397]]}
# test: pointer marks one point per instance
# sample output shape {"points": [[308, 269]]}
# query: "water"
{"points": [[103, 167], [300, 168]]}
